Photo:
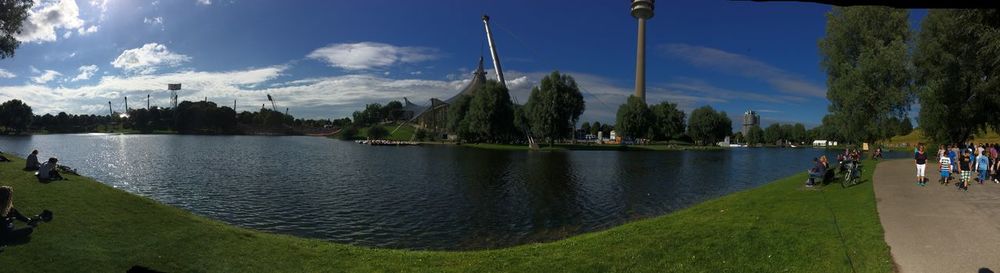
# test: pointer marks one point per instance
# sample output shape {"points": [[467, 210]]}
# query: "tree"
{"points": [[755, 135], [773, 134], [12, 16], [905, 127], [865, 57], [491, 114], [668, 121], [585, 127], [706, 126], [377, 132], [392, 111], [554, 107], [348, 133], [956, 73], [15, 116], [738, 137], [596, 127], [799, 133], [633, 118], [457, 112]]}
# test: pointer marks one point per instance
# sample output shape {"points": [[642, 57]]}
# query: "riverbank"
{"points": [[592, 147], [781, 226]]}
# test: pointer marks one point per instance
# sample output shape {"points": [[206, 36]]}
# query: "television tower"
{"points": [[642, 10]]}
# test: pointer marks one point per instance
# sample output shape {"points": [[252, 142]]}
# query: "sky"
{"points": [[326, 59]]}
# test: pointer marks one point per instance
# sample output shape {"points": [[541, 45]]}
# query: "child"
{"points": [[982, 165], [944, 165], [965, 164]]}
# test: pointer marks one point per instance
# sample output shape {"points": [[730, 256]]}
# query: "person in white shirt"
{"points": [[48, 170]]}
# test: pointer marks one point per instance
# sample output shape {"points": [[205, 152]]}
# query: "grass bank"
{"points": [[592, 147], [779, 227]]}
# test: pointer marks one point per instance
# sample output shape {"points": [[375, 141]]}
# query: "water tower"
{"points": [[642, 10]]}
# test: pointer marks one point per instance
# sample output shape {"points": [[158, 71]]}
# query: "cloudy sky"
{"points": [[325, 59]]}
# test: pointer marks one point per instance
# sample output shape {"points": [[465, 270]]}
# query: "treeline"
{"points": [[876, 68], [201, 117]]}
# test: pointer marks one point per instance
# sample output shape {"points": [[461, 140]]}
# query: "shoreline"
{"points": [[99, 228]]}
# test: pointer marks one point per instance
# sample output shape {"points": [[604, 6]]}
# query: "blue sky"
{"points": [[325, 59]]}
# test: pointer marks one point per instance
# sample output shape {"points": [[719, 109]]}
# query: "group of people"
{"points": [[9, 214], [47, 171], [821, 165], [969, 162]]}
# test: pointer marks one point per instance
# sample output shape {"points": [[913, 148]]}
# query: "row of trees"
{"points": [[201, 117], [664, 121], [874, 77], [375, 113]]}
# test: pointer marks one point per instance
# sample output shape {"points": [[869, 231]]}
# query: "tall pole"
{"points": [[111, 110], [493, 51], [147, 102], [642, 10], [126, 104]]}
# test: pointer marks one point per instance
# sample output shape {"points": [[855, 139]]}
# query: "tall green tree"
{"points": [[457, 112], [15, 116], [706, 126], [585, 127], [12, 16], [957, 63], [667, 121], [633, 118], [491, 114], [755, 135], [865, 57], [596, 127], [905, 127], [554, 107]]}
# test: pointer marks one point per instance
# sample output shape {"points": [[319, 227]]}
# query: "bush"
{"points": [[348, 133], [420, 135], [377, 132]]}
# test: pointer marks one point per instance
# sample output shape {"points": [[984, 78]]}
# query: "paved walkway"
{"points": [[937, 228]]}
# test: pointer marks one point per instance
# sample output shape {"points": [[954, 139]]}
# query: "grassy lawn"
{"points": [[405, 132], [593, 147], [779, 227]]}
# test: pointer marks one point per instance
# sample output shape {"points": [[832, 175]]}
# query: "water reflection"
{"points": [[431, 197]]}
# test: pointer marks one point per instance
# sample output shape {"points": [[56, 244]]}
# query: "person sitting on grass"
{"points": [[4, 158], [31, 163], [7, 216], [49, 170], [817, 171]]}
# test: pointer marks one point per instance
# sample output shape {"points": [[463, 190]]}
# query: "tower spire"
{"points": [[642, 10]]}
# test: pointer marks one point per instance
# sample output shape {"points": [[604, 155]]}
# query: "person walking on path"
{"points": [[965, 165], [921, 160], [982, 166], [944, 165]]}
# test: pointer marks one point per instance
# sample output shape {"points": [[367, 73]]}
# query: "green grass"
{"points": [[778, 227], [917, 136], [591, 147]]}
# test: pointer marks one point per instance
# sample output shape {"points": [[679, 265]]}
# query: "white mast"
{"points": [[493, 51]]}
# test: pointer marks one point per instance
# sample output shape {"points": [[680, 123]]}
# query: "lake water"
{"points": [[427, 197]]}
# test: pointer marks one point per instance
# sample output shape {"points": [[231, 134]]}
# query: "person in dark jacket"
{"points": [[31, 163], [8, 214]]}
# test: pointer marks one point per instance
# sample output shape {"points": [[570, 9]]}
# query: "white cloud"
{"points": [[101, 5], [86, 31], [85, 72], [153, 21], [369, 55], [148, 58], [745, 66], [4, 74], [47, 17], [46, 76], [205, 2]]}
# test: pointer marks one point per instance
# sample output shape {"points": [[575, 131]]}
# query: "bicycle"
{"points": [[853, 174]]}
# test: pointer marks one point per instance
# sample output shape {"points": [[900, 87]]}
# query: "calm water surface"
{"points": [[429, 197]]}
